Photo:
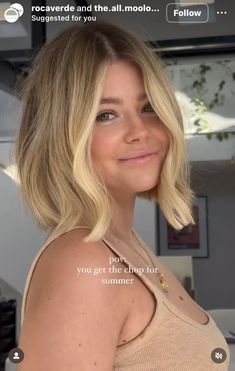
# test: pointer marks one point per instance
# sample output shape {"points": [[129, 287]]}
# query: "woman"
{"points": [[100, 126]]}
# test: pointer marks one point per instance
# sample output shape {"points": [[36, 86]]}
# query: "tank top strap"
{"points": [[50, 239], [137, 261], [127, 255]]}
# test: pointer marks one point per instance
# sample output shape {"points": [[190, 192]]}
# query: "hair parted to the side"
{"points": [[60, 100]]}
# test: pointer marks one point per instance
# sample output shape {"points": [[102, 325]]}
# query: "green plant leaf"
{"points": [[219, 136]]}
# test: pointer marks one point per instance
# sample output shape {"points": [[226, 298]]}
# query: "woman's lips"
{"points": [[140, 160]]}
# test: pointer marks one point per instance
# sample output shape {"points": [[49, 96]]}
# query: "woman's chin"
{"points": [[134, 187], [145, 187]]}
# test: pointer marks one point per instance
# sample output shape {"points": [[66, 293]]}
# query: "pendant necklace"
{"points": [[163, 282], [160, 275]]}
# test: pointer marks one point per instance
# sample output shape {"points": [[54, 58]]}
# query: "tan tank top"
{"points": [[171, 341]]}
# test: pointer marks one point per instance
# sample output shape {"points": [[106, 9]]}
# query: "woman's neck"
{"points": [[122, 219]]}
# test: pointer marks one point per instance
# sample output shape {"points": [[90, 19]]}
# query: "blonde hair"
{"points": [[60, 100]]}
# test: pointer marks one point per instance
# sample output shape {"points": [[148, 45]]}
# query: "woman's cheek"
{"points": [[102, 146]]}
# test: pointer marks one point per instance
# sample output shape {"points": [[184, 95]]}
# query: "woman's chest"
{"points": [[143, 303]]}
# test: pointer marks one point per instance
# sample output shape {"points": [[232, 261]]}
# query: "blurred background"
{"points": [[199, 54]]}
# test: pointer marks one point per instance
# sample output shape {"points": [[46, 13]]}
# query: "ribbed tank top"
{"points": [[172, 341]]}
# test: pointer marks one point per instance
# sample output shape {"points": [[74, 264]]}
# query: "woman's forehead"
{"points": [[123, 75]]}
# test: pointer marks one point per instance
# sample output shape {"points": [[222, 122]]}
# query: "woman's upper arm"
{"points": [[75, 323]]}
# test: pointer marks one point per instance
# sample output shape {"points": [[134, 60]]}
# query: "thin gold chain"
{"points": [[160, 275], [163, 282]]}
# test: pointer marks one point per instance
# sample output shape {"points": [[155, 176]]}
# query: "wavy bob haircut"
{"points": [[60, 100]]}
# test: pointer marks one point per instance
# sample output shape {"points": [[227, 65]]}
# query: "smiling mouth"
{"points": [[141, 159]]}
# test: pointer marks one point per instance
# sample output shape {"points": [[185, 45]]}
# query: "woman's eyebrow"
{"points": [[113, 100]]}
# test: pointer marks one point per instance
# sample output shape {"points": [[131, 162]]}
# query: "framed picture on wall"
{"points": [[192, 240]]}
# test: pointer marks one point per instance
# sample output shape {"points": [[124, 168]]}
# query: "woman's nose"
{"points": [[137, 128]]}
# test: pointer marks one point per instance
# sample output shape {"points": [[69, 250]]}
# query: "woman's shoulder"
{"points": [[68, 304], [66, 263], [70, 248], [69, 252]]}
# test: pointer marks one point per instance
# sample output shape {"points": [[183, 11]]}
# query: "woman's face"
{"points": [[126, 126]]}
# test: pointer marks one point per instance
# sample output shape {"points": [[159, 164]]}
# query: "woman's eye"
{"points": [[148, 108], [108, 116], [105, 116]]}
